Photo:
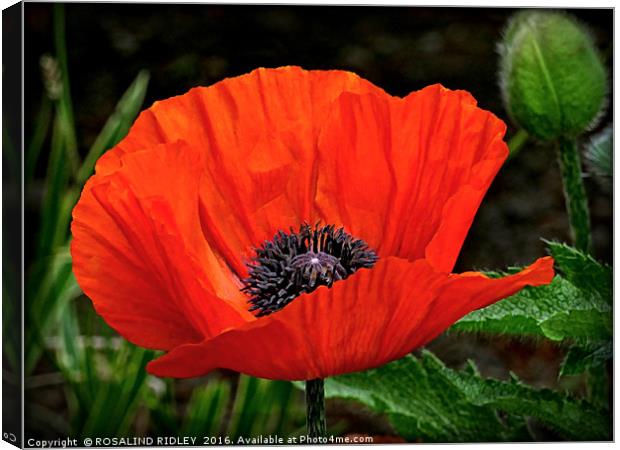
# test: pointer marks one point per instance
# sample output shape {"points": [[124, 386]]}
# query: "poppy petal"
{"points": [[373, 317], [258, 133], [469, 291], [396, 171], [138, 255]]}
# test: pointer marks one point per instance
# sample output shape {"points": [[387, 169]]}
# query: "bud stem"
{"points": [[574, 193], [315, 408], [517, 141]]}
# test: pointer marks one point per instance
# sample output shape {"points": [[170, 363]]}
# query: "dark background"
{"points": [[400, 49]]}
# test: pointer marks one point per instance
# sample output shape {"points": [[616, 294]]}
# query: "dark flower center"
{"points": [[295, 263]]}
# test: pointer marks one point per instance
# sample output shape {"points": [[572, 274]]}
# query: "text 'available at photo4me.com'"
{"points": [[175, 441]]}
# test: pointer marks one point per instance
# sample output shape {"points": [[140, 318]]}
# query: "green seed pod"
{"points": [[552, 78]]}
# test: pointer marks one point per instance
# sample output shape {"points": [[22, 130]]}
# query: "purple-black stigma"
{"points": [[295, 263]]}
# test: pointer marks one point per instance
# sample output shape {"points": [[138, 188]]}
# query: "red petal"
{"points": [[469, 291], [403, 173], [138, 253], [258, 133], [373, 317]]}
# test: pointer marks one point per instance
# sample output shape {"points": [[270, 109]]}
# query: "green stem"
{"points": [[517, 141], [315, 408], [574, 193]]}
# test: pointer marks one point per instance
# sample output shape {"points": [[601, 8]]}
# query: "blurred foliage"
{"points": [[105, 390], [581, 358], [600, 152]]}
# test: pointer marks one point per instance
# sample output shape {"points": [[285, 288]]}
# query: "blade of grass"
{"points": [[245, 393], [117, 125], [55, 185], [68, 201], [260, 411], [46, 301], [69, 359], [65, 108], [41, 129], [162, 411], [119, 395], [291, 404], [265, 414], [206, 410]]}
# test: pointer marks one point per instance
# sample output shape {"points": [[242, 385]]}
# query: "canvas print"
{"points": [[305, 224]]}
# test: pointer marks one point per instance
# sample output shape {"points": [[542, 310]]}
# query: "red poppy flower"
{"points": [[199, 213]]}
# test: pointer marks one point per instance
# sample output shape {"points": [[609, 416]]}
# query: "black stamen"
{"points": [[295, 263]]}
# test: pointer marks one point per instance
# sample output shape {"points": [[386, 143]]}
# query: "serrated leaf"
{"points": [[421, 404], [583, 271], [575, 305], [426, 400], [556, 311], [581, 358]]}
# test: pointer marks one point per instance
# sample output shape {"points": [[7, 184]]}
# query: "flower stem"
{"points": [[574, 193], [315, 408]]}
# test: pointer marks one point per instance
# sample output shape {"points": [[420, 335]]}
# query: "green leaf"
{"points": [[598, 387], [117, 125], [556, 311], [426, 400], [599, 153], [583, 271], [581, 358], [574, 306]]}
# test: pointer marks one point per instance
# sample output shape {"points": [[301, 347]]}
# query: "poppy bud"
{"points": [[552, 78]]}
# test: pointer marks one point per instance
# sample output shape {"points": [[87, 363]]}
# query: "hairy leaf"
{"points": [[425, 400], [581, 358], [583, 271], [556, 311], [575, 305]]}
